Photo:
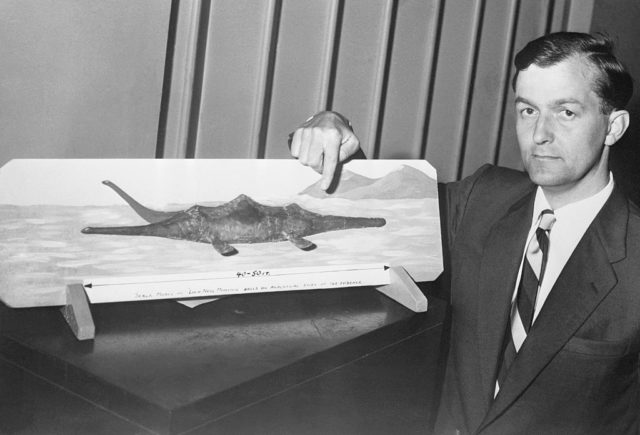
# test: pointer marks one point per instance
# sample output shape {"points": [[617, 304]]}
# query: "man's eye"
{"points": [[568, 113], [527, 111]]}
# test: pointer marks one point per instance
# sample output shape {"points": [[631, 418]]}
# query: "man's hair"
{"points": [[612, 83]]}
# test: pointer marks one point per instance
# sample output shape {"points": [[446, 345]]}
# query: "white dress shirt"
{"points": [[572, 221]]}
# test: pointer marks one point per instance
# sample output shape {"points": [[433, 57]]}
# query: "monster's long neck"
{"points": [[151, 216]]}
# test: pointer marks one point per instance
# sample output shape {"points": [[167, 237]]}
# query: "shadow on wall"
{"points": [[625, 155], [619, 20]]}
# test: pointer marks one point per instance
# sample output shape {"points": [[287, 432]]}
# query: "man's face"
{"points": [[561, 131]]}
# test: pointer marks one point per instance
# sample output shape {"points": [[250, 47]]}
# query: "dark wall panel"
{"points": [[619, 18]]}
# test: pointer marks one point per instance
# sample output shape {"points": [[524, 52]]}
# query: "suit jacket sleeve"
{"points": [[453, 197]]}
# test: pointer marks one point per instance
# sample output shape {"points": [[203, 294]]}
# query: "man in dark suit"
{"points": [[544, 265]]}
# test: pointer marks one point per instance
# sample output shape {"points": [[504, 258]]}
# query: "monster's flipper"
{"points": [[224, 248], [151, 216], [300, 242]]}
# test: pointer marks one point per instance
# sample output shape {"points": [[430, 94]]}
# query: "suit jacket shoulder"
{"points": [[490, 190]]}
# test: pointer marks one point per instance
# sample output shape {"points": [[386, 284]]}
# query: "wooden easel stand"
{"points": [[77, 311]]}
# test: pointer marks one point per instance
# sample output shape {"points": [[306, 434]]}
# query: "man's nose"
{"points": [[543, 130]]}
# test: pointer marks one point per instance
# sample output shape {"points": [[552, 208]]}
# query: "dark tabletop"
{"points": [[327, 361]]}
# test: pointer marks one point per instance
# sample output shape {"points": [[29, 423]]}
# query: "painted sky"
{"points": [[165, 181]]}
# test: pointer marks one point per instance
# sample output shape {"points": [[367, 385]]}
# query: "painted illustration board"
{"points": [[73, 221]]}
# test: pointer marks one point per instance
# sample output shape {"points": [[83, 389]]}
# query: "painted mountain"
{"points": [[404, 183]]}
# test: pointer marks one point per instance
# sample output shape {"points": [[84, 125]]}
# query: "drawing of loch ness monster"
{"points": [[241, 220]]}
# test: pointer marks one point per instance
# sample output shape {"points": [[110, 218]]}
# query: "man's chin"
{"points": [[543, 178]]}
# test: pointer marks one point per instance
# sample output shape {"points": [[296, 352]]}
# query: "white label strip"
{"points": [[119, 289]]}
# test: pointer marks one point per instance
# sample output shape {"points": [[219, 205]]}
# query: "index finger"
{"points": [[330, 162], [295, 142]]}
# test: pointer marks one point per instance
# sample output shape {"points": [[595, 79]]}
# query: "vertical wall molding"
{"points": [[504, 92], [580, 15], [265, 68], [477, 31], [329, 55], [430, 79], [183, 68], [380, 81], [451, 92]]}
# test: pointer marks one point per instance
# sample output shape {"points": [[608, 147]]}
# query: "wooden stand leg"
{"points": [[404, 290], [78, 314]]}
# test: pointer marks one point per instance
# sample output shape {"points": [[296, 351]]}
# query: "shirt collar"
{"points": [[585, 209]]}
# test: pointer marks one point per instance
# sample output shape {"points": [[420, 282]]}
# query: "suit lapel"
{"points": [[574, 296], [498, 271]]}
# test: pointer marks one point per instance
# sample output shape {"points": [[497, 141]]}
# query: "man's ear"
{"points": [[618, 123]]}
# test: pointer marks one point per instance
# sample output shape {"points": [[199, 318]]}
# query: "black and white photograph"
{"points": [[314, 217]]}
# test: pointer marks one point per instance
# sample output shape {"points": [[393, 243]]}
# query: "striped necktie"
{"points": [[523, 309]]}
